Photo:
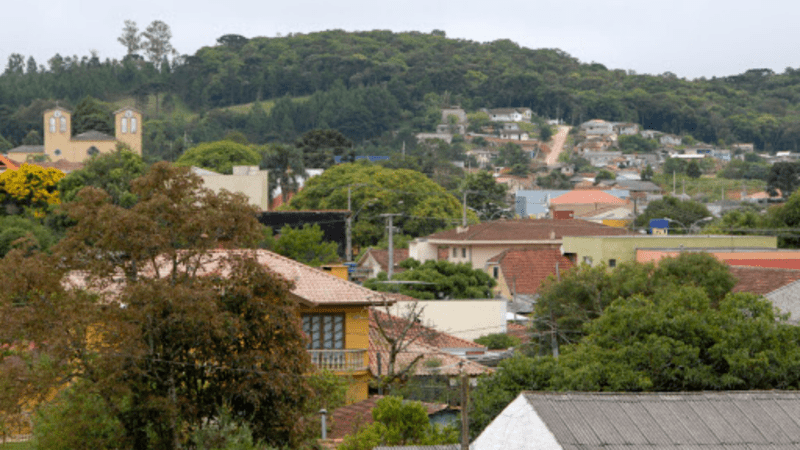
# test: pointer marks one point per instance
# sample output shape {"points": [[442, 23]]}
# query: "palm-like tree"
{"points": [[285, 164]]}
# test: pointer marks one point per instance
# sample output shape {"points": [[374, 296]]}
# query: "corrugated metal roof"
{"points": [[763, 420]]}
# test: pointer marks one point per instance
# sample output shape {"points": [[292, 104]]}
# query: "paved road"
{"points": [[557, 145]]}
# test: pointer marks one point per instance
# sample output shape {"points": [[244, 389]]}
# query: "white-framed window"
{"points": [[63, 121], [52, 124], [324, 331], [124, 125], [464, 252], [133, 124]]}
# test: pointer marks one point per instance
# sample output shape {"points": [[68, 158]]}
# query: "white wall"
{"points": [[254, 186], [518, 427], [467, 319]]}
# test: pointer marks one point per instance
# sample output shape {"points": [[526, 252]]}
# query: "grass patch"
{"points": [[244, 108]]}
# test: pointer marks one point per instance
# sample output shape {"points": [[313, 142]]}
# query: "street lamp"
{"points": [[690, 227], [704, 219]]}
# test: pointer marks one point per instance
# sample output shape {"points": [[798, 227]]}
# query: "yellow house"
{"points": [[335, 314], [59, 143]]}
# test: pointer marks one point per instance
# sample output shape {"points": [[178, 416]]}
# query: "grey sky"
{"points": [[689, 38]]}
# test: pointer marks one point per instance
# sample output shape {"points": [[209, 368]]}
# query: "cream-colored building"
{"points": [[247, 180], [60, 144]]}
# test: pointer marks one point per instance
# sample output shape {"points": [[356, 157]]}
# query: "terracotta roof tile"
{"points": [[348, 419], [528, 229], [587, 196], [8, 164], [429, 359], [382, 258], [424, 334], [526, 269], [762, 280], [518, 331]]}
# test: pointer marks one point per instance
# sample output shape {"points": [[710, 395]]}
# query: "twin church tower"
{"points": [[60, 144]]}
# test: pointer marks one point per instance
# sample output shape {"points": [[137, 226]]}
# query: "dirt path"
{"points": [[557, 145]]}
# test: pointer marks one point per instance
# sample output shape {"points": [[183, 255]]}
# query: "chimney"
{"points": [[552, 234]]}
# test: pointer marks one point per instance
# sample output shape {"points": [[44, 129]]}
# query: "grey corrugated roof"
{"points": [[93, 135], [768, 420], [635, 185], [27, 149]]}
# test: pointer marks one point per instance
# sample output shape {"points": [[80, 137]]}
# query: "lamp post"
{"points": [[688, 229]]}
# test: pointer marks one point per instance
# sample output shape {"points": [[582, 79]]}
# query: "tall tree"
{"points": [[320, 146], [157, 45], [286, 167], [219, 156], [200, 329], [92, 114], [111, 172], [16, 64], [130, 38]]}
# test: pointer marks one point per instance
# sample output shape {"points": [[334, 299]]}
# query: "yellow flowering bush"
{"points": [[30, 186]]}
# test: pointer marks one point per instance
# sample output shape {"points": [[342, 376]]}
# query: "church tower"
{"points": [[57, 133], [128, 128]]}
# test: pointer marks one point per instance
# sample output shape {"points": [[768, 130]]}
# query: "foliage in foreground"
{"points": [[498, 341], [673, 336], [439, 279], [399, 422], [188, 340]]}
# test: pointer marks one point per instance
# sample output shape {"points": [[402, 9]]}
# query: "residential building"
{"points": [[597, 127], [670, 139], [751, 257], [645, 421], [247, 180], [476, 244], [612, 250], [620, 216], [466, 319], [626, 129], [458, 113], [333, 223], [584, 202], [374, 261], [650, 134], [509, 114], [521, 272], [455, 128], [536, 203], [743, 147], [423, 137], [335, 317], [514, 135], [59, 143]]}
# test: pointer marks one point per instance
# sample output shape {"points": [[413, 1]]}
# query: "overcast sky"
{"points": [[691, 38]]}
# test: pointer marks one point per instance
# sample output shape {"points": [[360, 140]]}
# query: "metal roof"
{"points": [[705, 420]]}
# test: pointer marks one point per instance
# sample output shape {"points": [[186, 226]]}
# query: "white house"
{"points": [[597, 127], [510, 114]]}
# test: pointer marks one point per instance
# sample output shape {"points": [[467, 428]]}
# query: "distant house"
{"points": [[594, 144], [458, 113], [510, 114], [522, 271], [374, 261], [583, 202], [626, 129], [670, 139], [645, 421], [476, 244], [597, 127], [423, 137], [515, 135], [743, 147], [445, 128], [650, 134]]}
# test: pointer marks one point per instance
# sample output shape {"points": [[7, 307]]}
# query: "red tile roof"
{"points": [[426, 335], [382, 258], [519, 331], [528, 230], [524, 270], [348, 419], [8, 164], [428, 359], [579, 196], [762, 280]]}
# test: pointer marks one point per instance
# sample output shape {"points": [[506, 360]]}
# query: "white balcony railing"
{"points": [[339, 360]]}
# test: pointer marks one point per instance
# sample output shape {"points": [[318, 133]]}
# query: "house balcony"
{"points": [[339, 360]]}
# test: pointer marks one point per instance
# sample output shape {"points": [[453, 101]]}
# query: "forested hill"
{"points": [[367, 83]]}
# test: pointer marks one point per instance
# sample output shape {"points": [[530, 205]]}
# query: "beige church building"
{"points": [[59, 143]]}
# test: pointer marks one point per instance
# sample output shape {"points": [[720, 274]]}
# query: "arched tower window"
{"points": [[63, 121], [124, 125], [133, 124], [52, 124]]}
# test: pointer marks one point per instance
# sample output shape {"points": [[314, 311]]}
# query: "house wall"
{"points": [[255, 187], [467, 319], [779, 259], [517, 427], [601, 249], [356, 329], [422, 250], [479, 253]]}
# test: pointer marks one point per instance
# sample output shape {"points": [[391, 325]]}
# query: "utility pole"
{"points": [[390, 225], [464, 408], [464, 209], [349, 249]]}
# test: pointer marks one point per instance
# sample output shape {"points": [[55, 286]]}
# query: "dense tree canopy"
{"points": [[684, 212], [110, 172], [426, 206], [220, 156], [437, 280], [191, 339]]}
